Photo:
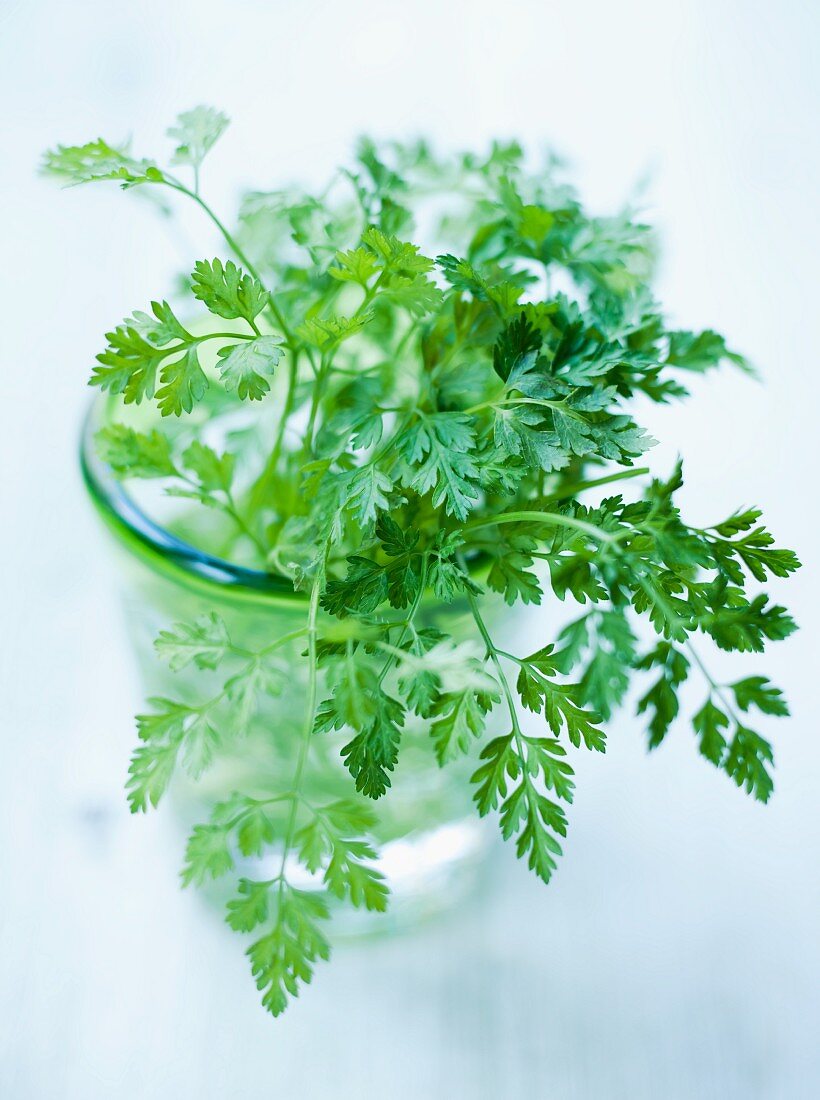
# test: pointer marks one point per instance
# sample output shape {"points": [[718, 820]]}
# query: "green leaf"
{"points": [[397, 257], [183, 384], [361, 591], [328, 839], [758, 691], [246, 688], [525, 812], [207, 855], [328, 332], [251, 907], [574, 573], [421, 685], [243, 366], [461, 275], [96, 161], [372, 754], [173, 728], [204, 642], [136, 454], [196, 132], [522, 432], [199, 747], [518, 340], [709, 723], [129, 365], [367, 493], [459, 718], [227, 291], [747, 763], [149, 774], [559, 703], [534, 223], [417, 295], [355, 700], [662, 698], [356, 266], [394, 539], [744, 544], [255, 830], [160, 329], [437, 450], [701, 351], [283, 959], [605, 679], [213, 471], [501, 764], [737, 624]]}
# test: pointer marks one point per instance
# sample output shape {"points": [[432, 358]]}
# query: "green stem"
{"points": [[231, 509], [713, 685], [559, 405], [551, 519], [654, 593], [240, 254], [213, 336], [255, 654], [310, 712], [326, 366], [592, 483], [259, 489], [230, 240], [495, 656], [316, 397]]}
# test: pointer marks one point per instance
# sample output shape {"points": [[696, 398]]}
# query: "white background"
{"points": [[676, 954]]}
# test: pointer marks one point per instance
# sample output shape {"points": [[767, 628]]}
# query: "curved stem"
{"points": [[218, 336], [592, 483], [240, 254], [552, 519], [559, 405], [230, 240]]}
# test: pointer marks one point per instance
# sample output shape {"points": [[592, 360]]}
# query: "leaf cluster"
{"points": [[435, 435]]}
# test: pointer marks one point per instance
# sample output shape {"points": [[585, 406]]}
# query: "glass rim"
{"points": [[155, 544]]}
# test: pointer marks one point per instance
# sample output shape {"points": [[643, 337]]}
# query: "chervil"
{"points": [[437, 424]]}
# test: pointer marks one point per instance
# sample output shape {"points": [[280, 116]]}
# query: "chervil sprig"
{"points": [[415, 437]]}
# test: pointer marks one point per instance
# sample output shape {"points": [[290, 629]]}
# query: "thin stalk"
{"points": [[291, 636], [212, 336], [495, 655], [228, 506], [316, 397], [593, 483], [232, 510], [240, 254], [541, 401], [310, 712], [326, 366], [230, 240], [714, 686], [260, 486], [551, 519]]}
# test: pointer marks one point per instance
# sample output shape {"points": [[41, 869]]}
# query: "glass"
{"points": [[431, 840]]}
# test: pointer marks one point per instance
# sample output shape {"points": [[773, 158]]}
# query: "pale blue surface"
{"points": [[676, 954]]}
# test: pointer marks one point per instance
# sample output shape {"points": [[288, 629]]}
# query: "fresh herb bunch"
{"points": [[427, 423]]}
